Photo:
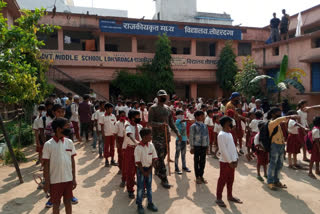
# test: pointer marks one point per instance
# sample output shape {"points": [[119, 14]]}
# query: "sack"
{"points": [[265, 137], [68, 112]]}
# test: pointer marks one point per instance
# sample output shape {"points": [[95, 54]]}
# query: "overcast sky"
{"points": [[254, 13]]}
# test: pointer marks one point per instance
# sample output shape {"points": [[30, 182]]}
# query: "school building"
{"points": [[91, 49]]}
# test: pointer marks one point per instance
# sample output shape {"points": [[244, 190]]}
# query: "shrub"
{"points": [[19, 155]]}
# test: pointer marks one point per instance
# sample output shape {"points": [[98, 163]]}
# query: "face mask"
{"points": [[137, 120], [162, 99], [180, 117], [66, 132]]}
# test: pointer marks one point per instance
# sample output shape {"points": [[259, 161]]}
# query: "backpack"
{"points": [[265, 137], [68, 112], [309, 141]]}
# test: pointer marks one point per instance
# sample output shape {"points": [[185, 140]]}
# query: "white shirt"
{"points": [[244, 107], [252, 106], [93, 118], [59, 154], [256, 140], [98, 117], [130, 129], [227, 148], [144, 114], [254, 125], [217, 128], [37, 123], [75, 112], [208, 121], [315, 134], [120, 128], [144, 154], [126, 109], [109, 124], [303, 117], [292, 128], [190, 116]]}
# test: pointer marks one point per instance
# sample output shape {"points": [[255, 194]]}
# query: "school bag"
{"points": [[309, 141], [265, 137], [68, 112]]}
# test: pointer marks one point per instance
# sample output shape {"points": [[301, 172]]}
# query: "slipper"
{"points": [[198, 181], [221, 203], [292, 167], [272, 187], [260, 178], [235, 200], [280, 185], [312, 176], [298, 166]]}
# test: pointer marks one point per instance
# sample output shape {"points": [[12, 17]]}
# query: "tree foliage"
{"points": [[243, 78], [281, 83], [227, 67], [22, 71], [150, 77]]}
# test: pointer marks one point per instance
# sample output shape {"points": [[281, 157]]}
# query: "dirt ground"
{"points": [[98, 190]]}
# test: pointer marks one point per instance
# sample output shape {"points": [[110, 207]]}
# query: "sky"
{"points": [[253, 13]]}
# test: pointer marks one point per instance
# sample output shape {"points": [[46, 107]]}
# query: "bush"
{"points": [[19, 155]]}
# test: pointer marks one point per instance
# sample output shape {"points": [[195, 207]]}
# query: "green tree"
{"points": [[227, 67], [243, 78], [280, 81]]}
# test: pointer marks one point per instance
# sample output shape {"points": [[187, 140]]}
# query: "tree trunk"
{"points": [[15, 162]]}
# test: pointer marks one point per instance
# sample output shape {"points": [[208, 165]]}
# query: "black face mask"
{"points": [[137, 120], [162, 99], [66, 132]]}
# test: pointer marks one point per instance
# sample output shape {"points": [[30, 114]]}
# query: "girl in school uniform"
{"points": [[209, 122], [254, 126], [239, 130], [315, 154], [251, 116]]}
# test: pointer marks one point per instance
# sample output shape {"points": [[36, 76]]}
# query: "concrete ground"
{"points": [[98, 189]]}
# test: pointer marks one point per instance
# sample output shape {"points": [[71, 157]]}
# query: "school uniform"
{"points": [[60, 152], [120, 131], [75, 119], [315, 154], [108, 122], [234, 132], [129, 165], [144, 154], [94, 130], [98, 117], [38, 126], [262, 156], [209, 122], [190, 116], [239, 131], [217, 129], [294, 138], [254, 130], [144, 117], [228, 155]]}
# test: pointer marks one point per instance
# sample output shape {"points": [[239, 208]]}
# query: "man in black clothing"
{"points": [[284, 25], [274, 24]]}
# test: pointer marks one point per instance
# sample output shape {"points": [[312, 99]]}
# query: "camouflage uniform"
{"points": [[157, 116]]}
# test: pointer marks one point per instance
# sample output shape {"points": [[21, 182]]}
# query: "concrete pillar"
{"points": [[60, 40], [194, 90], [134, 44], [101, 88], [101, 42], [193, 47]]}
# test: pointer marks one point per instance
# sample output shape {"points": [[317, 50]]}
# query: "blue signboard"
{"points": [[172, 30]]}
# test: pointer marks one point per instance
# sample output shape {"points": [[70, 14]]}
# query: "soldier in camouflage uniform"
{"points": [[160, 117]]}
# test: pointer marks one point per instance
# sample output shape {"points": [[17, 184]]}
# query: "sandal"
{"points": [[204, 181], [272, 187], [198, 181], [312, 176], [298, 166], [235, 200], [220, 203], [292, 167], [260, 178], [280, 185]]}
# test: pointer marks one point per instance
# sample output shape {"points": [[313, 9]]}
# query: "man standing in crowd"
{"points": [[284, 25], [160, 118], [85, 116], [274, 25]]}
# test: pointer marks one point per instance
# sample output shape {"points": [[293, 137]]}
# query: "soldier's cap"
{"points": [[161, 93]]}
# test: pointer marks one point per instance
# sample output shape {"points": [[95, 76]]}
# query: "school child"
{"points": [[143, 114], [239, 129], [181, 146], [199, 142], [254, 126], [108, 122], [191, 119], [59, 166], [262, 155], [47, 119], [250, 116], [94, 128], [75, 116], [294, 142], [204, 108], [131, 140], [145, 156], [39, 133], [100, 114], [120, 132], [209, 122], [231, 113], [315, 154], [228, 162], [217, 129]]}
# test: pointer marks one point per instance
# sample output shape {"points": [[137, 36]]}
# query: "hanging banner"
{"points": [[172, 30]]}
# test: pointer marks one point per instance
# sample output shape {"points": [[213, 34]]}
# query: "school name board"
{"points": [[113, 58], [154, 29]]}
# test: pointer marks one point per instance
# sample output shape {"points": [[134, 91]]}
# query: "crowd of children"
{"points": [[212, 127]]}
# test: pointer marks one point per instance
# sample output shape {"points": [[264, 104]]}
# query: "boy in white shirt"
{"points": [[75, 116], [209, 122], [94, 129], [39, 132], [98, 116], [228, 161], [120, 132], [143, 114], [108, 129], [59, 166]]}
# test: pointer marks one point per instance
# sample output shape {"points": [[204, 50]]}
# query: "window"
{"points": [[50, 41], [174, 50], [146, 45], [118, 44], [80, 40], [275, 51], [180, 46], [206, 48], [244, 49], [315, 42], [186, 51], [315, 77]]}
